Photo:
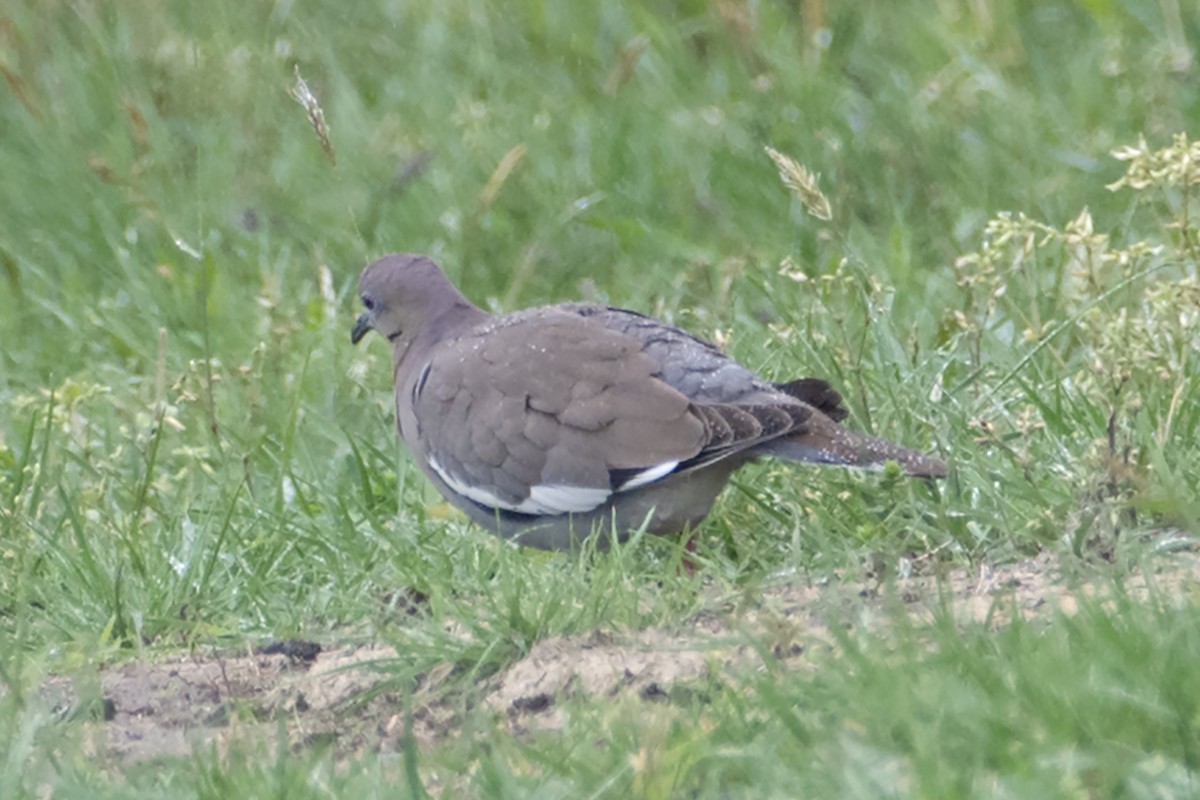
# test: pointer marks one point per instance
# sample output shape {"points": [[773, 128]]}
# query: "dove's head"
{"points": [[406, 295]]}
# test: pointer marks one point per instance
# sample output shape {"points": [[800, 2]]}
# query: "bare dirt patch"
{"points": [[159, 709]]}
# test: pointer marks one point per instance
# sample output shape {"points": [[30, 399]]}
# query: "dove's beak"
{"points": [[361, 326]]}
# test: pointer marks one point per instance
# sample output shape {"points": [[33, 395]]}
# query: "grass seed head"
{"points": [[802, 183]]}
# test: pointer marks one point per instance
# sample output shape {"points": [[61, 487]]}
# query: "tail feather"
{"points": [[831, 443], [818, 394]]}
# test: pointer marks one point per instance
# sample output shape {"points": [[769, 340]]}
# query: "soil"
{"points": [[337, 696]]}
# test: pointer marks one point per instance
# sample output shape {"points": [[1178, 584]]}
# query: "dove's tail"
{"points": [[826, 442]]}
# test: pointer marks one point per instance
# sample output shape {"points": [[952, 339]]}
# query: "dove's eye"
{"points": [[368, 302]]}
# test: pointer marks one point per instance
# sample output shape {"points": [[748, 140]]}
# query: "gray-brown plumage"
{"points": [[550, 423]]}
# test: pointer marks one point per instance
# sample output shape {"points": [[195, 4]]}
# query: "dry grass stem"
{"points": [[627, 61], [500, 176]]}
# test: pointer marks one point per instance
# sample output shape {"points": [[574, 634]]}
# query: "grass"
{"points": [[193, 457]]}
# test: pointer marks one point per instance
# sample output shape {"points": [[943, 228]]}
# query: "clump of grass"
{"points": [[1121, 321], [1112, 315]]}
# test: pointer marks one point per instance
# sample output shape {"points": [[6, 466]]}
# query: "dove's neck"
{"points": [[452, 320], [455, 316]]}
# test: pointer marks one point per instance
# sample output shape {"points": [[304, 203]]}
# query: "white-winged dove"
{"points": [[549, 424]]}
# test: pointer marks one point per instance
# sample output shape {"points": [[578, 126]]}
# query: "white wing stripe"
{"points": [[544, 499], [562, 499], [476, 493], [649, 475]]}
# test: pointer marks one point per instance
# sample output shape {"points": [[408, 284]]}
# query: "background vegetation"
{"points": [[192, 455]]}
